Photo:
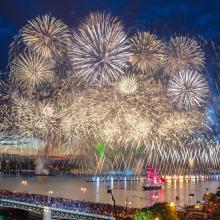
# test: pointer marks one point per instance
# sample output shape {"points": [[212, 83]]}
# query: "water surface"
{"points": [[70, 187]]}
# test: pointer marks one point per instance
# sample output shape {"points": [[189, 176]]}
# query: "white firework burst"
{"points": [[188, 89], [100, 51], [46, 36], [183, 54], [31, 70], [128, 84], [147, 52]]}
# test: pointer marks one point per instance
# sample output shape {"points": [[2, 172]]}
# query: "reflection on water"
{"points": [[70, 187]]}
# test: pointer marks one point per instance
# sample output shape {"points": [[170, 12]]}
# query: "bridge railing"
{"points": [[8, 203]]}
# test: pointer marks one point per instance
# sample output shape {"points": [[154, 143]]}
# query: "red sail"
{"points": [[153, 177]]}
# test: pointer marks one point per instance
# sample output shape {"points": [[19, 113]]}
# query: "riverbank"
{"points": [[70, 205]]}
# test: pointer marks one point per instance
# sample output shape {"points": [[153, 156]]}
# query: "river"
{"points": [[125, 193]]}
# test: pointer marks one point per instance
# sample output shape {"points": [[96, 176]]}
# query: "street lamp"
{"points": [[172, 204], [191, 197], [24, 183], [113, 199], [173, 207], [50, 192], [83, 190], [127, 203], [155, 197]]}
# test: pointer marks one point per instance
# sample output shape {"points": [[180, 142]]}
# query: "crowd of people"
{"points": [[67, 204]]}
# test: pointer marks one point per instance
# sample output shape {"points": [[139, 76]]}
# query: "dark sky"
{"points": [[163, 17]]}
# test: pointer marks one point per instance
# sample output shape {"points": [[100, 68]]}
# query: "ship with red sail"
{"points": [[153, 180]]}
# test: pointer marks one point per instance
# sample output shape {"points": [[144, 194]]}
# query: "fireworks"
{"points": [[128, 127], [105, 94], [6, 89], [139, 127], [100, 52], [22, 112], [18, 146], [83, 115], [183, 54], [45, 120], [35, 120], [181, 123], [147, 52], [188, 90], [127, 119], [128, 85], [31, 70], [46, 36]]}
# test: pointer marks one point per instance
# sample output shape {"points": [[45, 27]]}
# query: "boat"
{"points": [[153, 180], [156, 187], [115, 176], [113, 179], [41, 172]]}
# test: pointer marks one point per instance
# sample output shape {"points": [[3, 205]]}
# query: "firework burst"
{"points": [[31, 70], [46, 36], [6, 90], [188, 89], [136, 117], [83, 115], [46, 119], [22, 114], [130, 126], [40, 119], [100, 52], [181, 123], [128, 84], [183, 54], [127, 119], [147, 52]]}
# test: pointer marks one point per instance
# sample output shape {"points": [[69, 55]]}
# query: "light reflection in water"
{"points": [[69, 187], [97, 191]]}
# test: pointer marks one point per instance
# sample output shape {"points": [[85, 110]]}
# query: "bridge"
{"points": [[50, 213]]}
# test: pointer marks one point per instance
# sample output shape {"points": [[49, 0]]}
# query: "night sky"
{"points": [[162, 17]]}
